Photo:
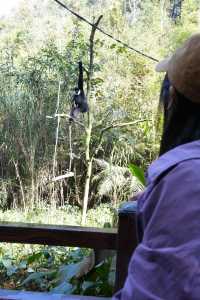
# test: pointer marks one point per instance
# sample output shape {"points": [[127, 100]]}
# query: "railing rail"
{"points": [[72, 236], [123, 239]]}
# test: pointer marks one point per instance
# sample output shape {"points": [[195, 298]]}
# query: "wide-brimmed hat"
{"points": [[183, 68]]}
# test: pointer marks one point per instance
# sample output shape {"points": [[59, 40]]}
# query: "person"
{"points": [[166, 263]]}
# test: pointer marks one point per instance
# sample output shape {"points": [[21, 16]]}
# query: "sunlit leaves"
{"points": [[138, 173]]}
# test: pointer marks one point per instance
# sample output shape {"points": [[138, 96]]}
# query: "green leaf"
{"points": [[63, 288], [34, 257], [77, 255], [87, 285], [46, 254], [138, 173], [11, 270], [102, 270], [7, 262], [67, 272], [23, 264], [112, 46], [37, 276]]}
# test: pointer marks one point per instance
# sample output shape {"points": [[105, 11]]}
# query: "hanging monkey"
{"points": [[79, 100]]}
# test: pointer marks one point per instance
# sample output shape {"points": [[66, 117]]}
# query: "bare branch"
{"points": [[67, 175], [94, 28], [57, 130], [66, 116]]}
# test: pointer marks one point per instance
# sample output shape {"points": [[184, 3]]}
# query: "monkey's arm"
{"points": [[80, 78]]}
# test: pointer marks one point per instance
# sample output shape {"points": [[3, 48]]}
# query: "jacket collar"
{"points": [[171, 158]]}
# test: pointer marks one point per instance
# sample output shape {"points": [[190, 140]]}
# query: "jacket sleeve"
{"points": [[166, 264]]}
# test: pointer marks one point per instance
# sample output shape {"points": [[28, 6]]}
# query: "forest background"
{"points": [[40, 47]]}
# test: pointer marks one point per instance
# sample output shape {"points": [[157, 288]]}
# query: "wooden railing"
{"points": [[123, 239]]}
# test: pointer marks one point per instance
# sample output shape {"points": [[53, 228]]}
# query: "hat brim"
{"points": [[163, 65]]}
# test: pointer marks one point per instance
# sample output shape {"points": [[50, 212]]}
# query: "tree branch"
{"points": [[91, 50], [66, 116], [116, 125]]}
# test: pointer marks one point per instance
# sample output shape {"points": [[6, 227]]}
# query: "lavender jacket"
{"points": [[166, 264]]}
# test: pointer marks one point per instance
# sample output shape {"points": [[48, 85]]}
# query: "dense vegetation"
{"points": [[40, 46]]}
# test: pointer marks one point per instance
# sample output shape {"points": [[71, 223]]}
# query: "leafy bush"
{"points": [[55, 269]]}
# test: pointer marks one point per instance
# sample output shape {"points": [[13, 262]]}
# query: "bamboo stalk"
{"points": [[20, 183]]}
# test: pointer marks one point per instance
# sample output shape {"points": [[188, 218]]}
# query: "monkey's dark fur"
{"points": [[79, 100]]}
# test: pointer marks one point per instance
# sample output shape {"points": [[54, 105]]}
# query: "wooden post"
{"points": [[127, 241]]}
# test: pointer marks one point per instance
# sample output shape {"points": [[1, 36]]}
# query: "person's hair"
{"points": [[181, 119]]}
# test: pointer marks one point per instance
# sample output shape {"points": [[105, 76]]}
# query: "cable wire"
{"points": [[104, 32]]}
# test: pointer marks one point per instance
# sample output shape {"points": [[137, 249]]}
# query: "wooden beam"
{"points": [[73, 236]]}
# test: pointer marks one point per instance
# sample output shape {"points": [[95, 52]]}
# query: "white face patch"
{"points": [[77, 92]]}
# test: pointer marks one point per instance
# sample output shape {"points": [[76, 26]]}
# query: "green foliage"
{"points": [[138, 173], [115, 182], [50, 270]]}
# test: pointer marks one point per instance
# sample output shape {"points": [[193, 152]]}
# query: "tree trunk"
{"points": [[86, 192], [20, 183], [88, 157], [32, 188]]}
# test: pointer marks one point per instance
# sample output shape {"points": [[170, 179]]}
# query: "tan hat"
{"points": [[183, 68]]}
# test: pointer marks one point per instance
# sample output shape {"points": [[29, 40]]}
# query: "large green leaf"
{"points": [[138, 173], [10, 268], [87, 285], [63, 288], [67, 272], [38, 276], [7, 262], [34, 257]]}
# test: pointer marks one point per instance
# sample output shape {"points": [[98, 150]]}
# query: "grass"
{"points": [[67, 215]]}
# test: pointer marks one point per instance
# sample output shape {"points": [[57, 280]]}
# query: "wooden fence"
{"points": [[123, 239]]}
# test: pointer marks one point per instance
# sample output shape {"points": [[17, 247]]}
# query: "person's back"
{"points": [[166, 263]]}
